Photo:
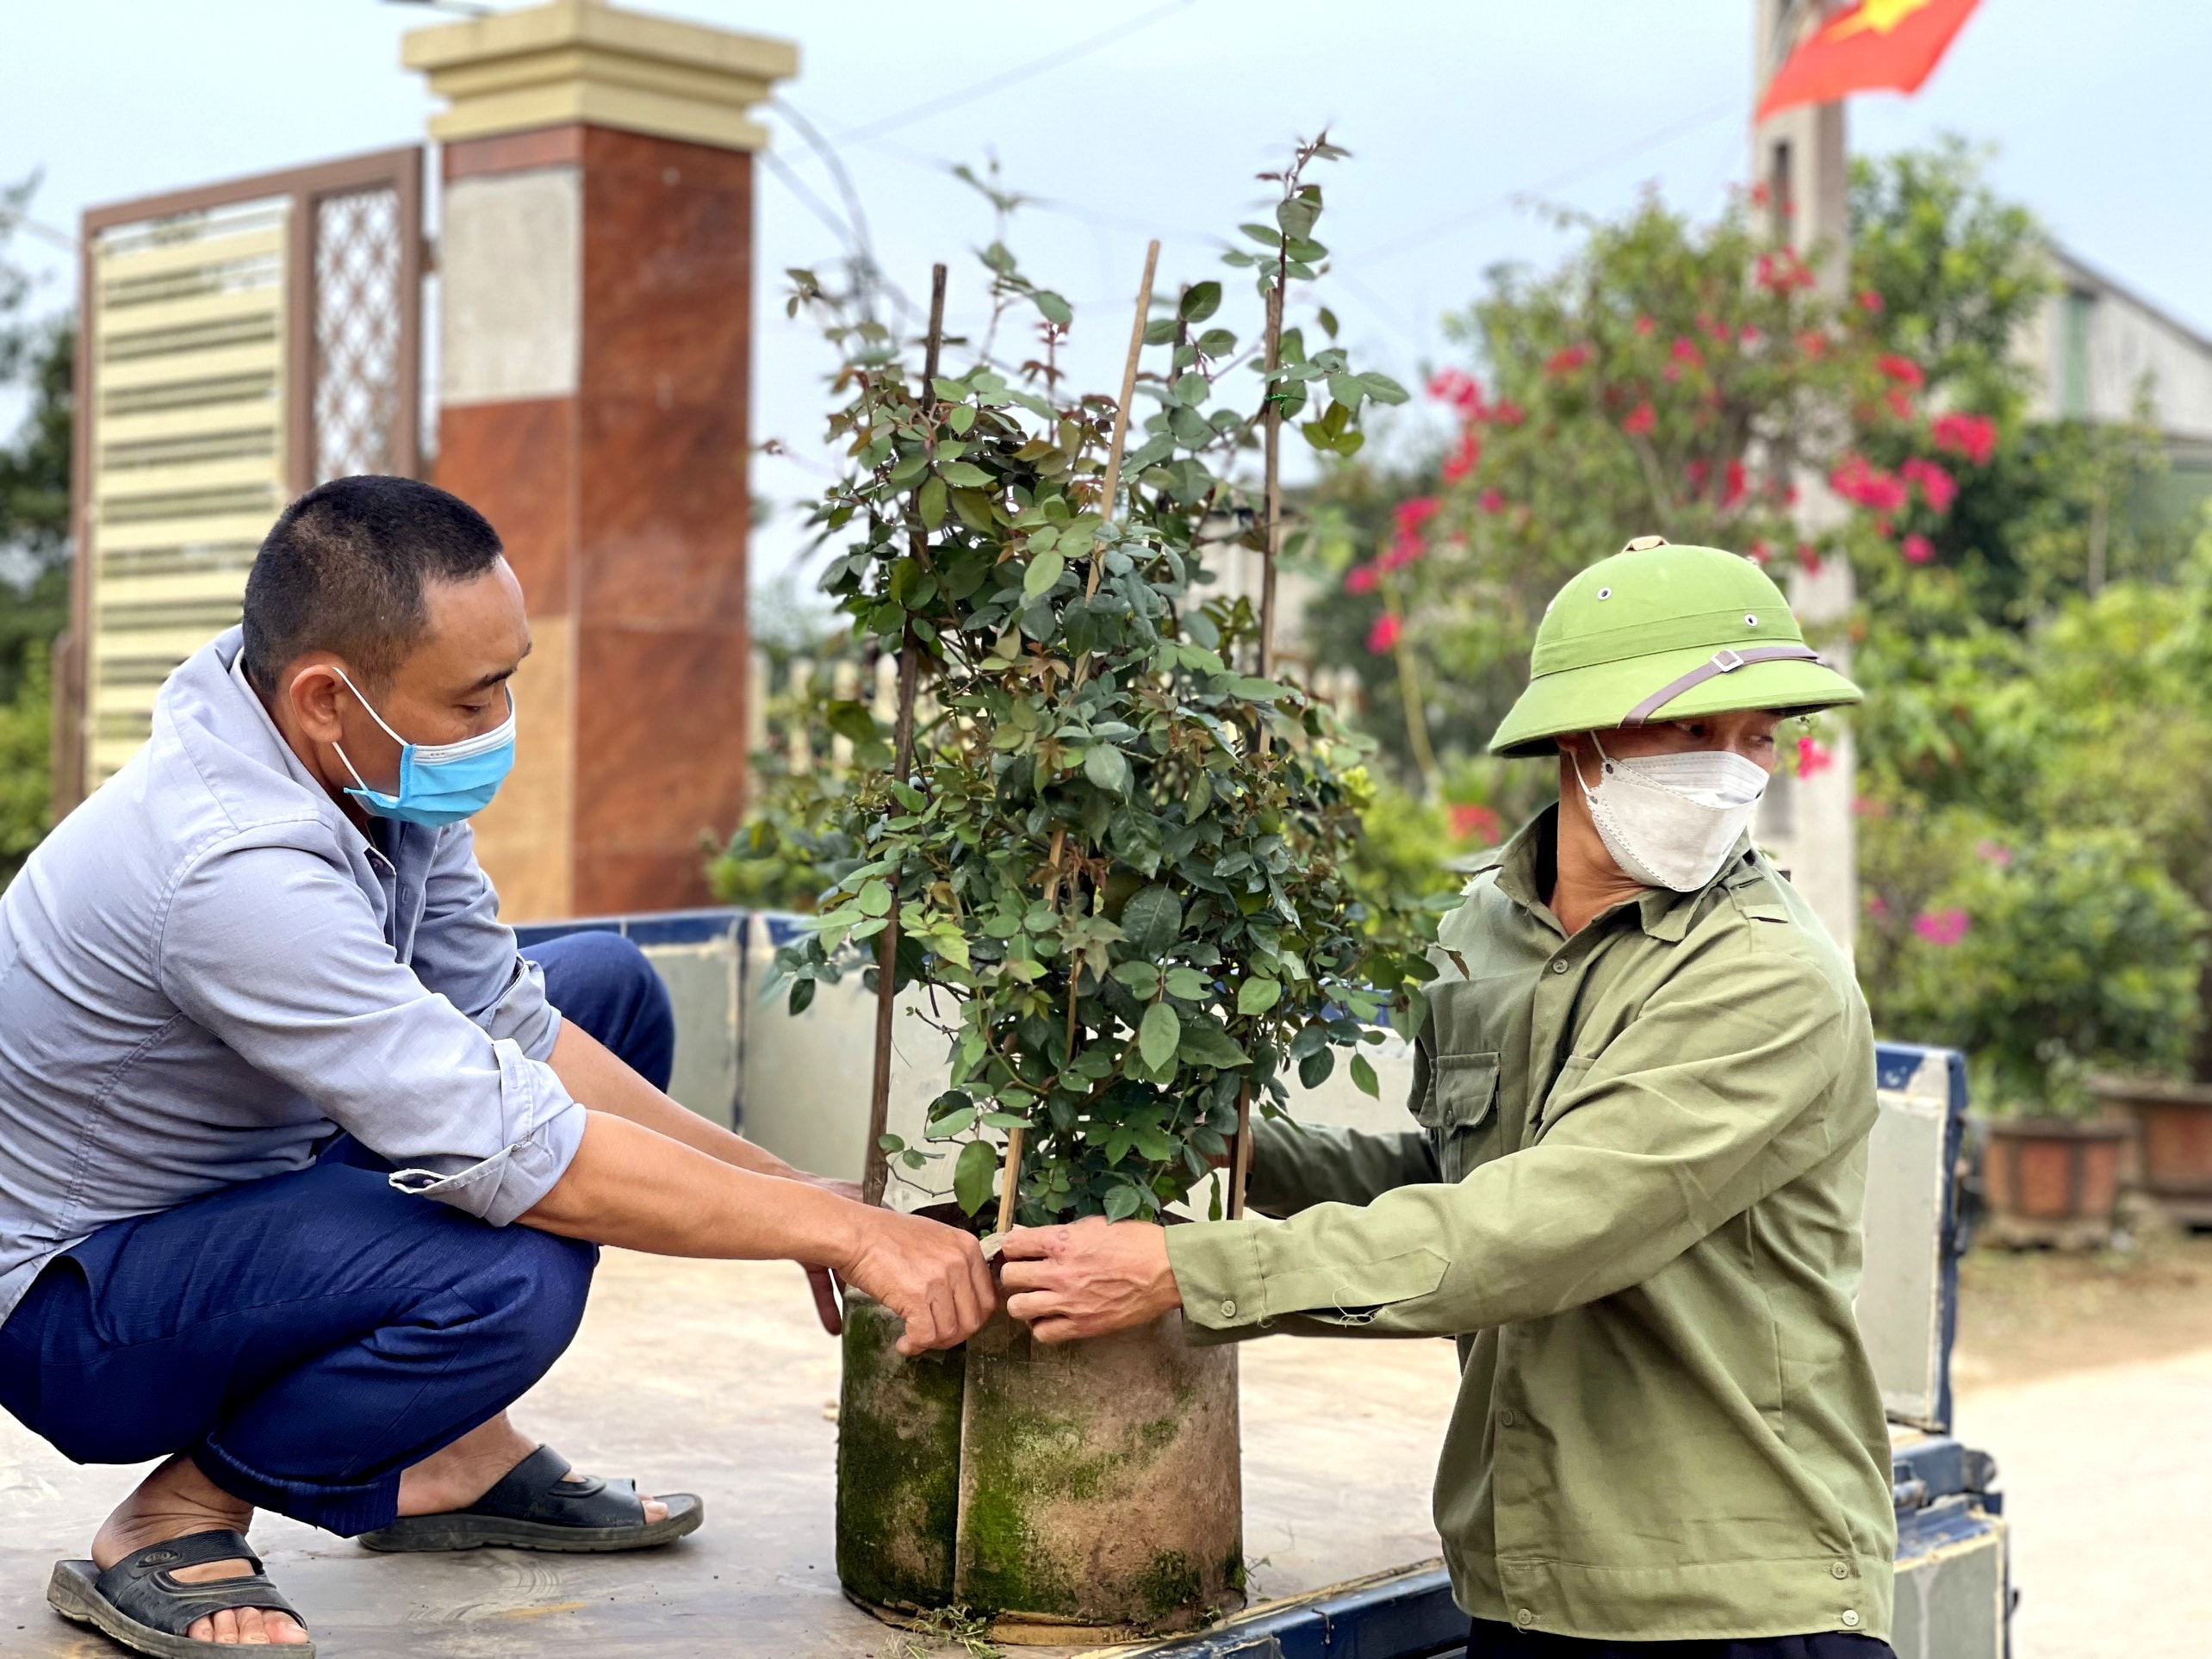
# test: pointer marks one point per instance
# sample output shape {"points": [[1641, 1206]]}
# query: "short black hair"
{"points": [[344, 569]]}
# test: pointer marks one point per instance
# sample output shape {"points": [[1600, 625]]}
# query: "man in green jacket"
{"points": [[1644, 1092]]}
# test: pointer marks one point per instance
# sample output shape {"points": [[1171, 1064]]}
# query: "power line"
{"points": [[1390, 250], [1020, 72]]}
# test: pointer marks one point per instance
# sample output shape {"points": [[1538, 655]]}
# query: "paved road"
{"points": [[2108, 1482]]}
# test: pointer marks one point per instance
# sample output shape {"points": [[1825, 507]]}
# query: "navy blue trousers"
{"points": [[1491, 1640], [307, 1337]]}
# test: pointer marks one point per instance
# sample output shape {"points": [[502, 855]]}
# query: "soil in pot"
{"points": [[1100, 1484]]}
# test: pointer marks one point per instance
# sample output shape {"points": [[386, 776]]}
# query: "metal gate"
{"points": [[240, 342]]}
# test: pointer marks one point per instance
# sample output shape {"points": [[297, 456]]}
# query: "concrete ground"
{"points": [[714, 1378], [2089, 1378]]}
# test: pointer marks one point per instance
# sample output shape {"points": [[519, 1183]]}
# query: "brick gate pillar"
{"points": [[595, 264]]}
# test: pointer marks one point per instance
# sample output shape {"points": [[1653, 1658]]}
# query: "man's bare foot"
{"points": [[473, 1465], [174, 1501]]}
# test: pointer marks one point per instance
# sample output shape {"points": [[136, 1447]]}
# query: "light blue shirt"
{"points": [[206, 970]]}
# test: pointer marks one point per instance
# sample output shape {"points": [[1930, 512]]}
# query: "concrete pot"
{"points": [[1095, 1488], [2173, 1134], [1100, 1484], [898, 1464], [2053, 1181]]}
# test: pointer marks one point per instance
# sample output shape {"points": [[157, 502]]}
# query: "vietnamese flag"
{"points": [[1877, 43]]}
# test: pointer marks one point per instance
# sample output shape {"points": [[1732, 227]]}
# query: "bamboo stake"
{"points": [[875, 1174], [1009, 1178]]}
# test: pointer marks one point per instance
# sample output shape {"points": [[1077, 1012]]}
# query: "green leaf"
{"points": [[1107, 766], [1122, 1203], [931, 502], [975, 1175], [1327, 320], [1055, 309], [1159, 1036], [1315, 1068], [1383, 389], [1152, 920], [1205, 1043], [964, 474], [1257, 996], [875, 898], [1200, 300], [1043, 573], [1141, 977], [1189, 985], [1362, 1076]]}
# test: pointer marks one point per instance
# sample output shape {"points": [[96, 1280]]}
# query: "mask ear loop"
{"points": [[1604, 760], [388, 732]]}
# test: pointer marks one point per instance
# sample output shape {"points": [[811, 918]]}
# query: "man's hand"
{"points": [[1088, 1278], [931, 1276]]}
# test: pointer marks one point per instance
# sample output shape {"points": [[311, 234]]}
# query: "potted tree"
{"points": [[2046, 959], [1120, 854]]}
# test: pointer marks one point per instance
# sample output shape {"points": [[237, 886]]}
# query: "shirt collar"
{"points": [[388, 852], [1527, 867]]}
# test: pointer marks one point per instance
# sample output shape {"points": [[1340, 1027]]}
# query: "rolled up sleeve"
{"points": [[1711, 1100], [278, 955]]}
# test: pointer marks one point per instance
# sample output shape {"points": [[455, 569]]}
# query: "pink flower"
{"points": [[1937, 487], [1685, 351], [1870, 301], [1471, 821], [1462, 460], [1970, 435], [1507, 412], [1945, 926], [1812, 343], [1645, 325], [1917, 548], [1416, 512], [1761, 552], [1900, 402], [1877, 905], [1383, 638], [1399, 554], [1360, 579], [1995, 852], [1733, 486], [1491, 501], [1813, 757], [1462, 391], [1782, 272], [1858, 480], [1566, 360], [1808, 558], [1640, 419], [1903, 371]]}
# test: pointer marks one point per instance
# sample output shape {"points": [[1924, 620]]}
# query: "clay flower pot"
{"points": [[2173, 1129], [1085, 1492], [2053, 1181]]}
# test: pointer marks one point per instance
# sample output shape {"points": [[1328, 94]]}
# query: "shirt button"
{"points": [[1228, 1309], [1850, 1619], [1558, 967], [1527, 1617], [1506, 1417], [1837, 1569]]}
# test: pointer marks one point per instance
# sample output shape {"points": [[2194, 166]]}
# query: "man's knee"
{"points": [[604, 984], [538, 1282]]}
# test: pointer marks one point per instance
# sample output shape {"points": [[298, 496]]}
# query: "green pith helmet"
{"points": [[1657, 632]]}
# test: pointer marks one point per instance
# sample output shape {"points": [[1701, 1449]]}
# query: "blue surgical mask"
{"points": [[439, 783]]}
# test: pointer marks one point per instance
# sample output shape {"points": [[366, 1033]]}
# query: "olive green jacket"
{"points": [[1634, 1195]]}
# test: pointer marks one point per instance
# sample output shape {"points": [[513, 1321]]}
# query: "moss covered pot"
{"points": [[1100, 1482], [1092, 1490], [898, 1464]]}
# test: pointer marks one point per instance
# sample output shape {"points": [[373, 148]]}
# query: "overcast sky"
{"points": [[1453, 110]]}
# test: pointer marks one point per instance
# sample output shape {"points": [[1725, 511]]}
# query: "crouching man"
{"points": [[303, 1165], [1644, 1092]]}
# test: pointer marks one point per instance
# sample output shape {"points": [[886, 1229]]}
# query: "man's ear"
{"points": [[312, 689]]}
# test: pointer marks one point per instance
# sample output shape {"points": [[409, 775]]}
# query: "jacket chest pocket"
{"points": [[1461, 1112]]}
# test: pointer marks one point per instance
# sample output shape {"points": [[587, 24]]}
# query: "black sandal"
{"points": [[141, 1603], [537, 1505]]}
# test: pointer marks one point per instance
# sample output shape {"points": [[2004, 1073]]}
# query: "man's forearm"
{"points": [[594, 1076], [632, 1186]]}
